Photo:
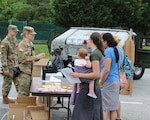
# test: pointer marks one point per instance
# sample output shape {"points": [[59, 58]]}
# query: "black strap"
{"points": [[116, 54], [32, 49]]}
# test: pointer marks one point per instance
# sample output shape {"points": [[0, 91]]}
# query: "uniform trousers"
{"points": [[7, 83], [24, 84]]}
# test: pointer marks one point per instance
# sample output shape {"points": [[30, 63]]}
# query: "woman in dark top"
{"points": [[87, 108]]}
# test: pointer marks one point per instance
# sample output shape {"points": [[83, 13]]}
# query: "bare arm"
{"points": [[94, 74], [88, 62], [107, 63]]}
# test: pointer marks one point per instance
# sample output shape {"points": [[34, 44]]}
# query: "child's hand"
{"points": [[87, 58]]}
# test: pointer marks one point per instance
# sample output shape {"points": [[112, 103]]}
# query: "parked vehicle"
{"points": [[142, 55], [73, 39]]}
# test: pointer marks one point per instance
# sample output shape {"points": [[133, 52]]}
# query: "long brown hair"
{"points": [[97, 40]]}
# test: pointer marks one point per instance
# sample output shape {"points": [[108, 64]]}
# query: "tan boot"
{"points": [[6, 100]]}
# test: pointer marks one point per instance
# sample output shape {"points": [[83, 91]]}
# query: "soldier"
{"points": [[9, 59], [26, 58]]}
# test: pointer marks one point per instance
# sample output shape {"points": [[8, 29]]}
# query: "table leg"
{"points": [[68, 108], [43, 75], [49, 108]]}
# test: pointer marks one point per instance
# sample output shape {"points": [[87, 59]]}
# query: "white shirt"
{"points": [[80, 62]]}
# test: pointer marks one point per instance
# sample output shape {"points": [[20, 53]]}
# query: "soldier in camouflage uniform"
{"points": [[26, 58], [9, 59]]}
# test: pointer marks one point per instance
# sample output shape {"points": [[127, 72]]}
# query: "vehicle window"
{"points": [[145, 43]]}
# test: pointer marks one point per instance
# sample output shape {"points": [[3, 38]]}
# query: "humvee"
{"points": [[70, 41]]}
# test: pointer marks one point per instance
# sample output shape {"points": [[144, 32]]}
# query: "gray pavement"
{"points": [[135, 107]]}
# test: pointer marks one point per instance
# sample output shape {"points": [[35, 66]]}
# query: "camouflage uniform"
{"points": [[26, 58], [9, 60]]}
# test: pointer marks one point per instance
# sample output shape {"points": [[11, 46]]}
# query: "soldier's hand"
{"points": [[6, 72], [41, 55]]}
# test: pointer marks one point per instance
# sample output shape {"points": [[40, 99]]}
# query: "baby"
{"points": [[83, 65]]}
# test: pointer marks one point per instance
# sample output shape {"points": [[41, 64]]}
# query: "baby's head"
{"points": [[82, 53], [117, 38]]}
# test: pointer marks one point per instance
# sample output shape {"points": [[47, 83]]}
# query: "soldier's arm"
{"points": [[32, 58], [4, 53], [24, 57]]}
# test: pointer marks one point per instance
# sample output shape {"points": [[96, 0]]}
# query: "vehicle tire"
{"points": [[139, 71]]}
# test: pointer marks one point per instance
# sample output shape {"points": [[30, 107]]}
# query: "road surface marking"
{"points": [[138, 103]]}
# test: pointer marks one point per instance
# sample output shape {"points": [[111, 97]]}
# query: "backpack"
{"points": [[127, 67]]}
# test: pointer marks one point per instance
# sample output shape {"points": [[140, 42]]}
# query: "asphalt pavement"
{"points": [[135, 107]]}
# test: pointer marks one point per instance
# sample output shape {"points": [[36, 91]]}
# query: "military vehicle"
{"points": [[70, 41]]}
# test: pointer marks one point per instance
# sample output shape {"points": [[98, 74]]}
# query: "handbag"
{"points": [[127, 67], [123, 80], [122, 73]]}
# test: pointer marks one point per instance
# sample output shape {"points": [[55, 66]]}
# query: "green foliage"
{"points": [[26, 10], [127, 13], [80, 13], [92, 13], [144, 24], [98, 13]]}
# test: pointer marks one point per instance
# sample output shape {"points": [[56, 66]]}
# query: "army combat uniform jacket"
{"points": [[26, 57], [9, 57]]}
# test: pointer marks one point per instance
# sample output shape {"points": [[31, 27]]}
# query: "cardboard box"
{"points": [[28, 117], [26, 105], [36, 73], [39, 115], [35, 108], [23, 112], [38, 65], [26, 100], [17, 112]]}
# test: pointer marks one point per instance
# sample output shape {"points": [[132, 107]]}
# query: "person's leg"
{"points": [[16, 83], [7, 82], [24, 84], [78, 87], [105, 117], [119, 111], [15, 80], [113, 115], [91, 90], [91, 87], [108, 115]]}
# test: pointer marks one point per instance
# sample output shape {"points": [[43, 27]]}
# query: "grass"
{"points": [[42, 48], [146, 47]]}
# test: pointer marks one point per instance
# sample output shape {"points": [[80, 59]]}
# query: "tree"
{"points": [[97, 13], [127, 13], [40, 10], [25, 10], [144, 25], [80, 13]]}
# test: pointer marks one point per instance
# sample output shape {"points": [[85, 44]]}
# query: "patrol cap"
{"points": [[29, 30], [13, 27]]}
